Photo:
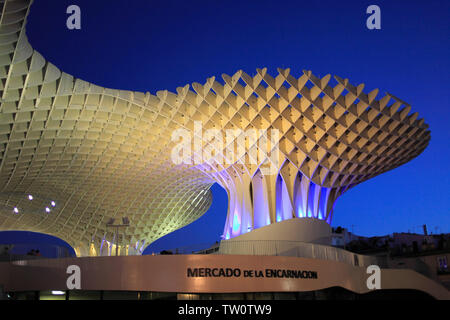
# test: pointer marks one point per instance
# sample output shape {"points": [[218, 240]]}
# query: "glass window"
{"points": [[442, 263]]}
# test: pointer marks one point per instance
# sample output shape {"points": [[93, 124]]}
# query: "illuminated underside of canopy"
{"points": [[102, 153]]}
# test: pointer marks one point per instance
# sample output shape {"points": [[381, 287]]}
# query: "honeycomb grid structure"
{"points": [[101, 153]]}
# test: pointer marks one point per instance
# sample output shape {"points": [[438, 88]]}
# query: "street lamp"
{"points": [[110, 223]]}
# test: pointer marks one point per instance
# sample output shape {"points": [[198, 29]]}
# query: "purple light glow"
{"points": [[236, 223]]}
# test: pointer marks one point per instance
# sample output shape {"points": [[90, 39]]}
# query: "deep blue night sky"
{"points": [[155, 45]]}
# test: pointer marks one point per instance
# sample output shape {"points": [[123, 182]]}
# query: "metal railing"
{"points": [[197, 248], [297, 249], [23, 251]]}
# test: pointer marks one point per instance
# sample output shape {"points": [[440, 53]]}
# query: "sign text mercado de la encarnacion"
{"points": [[237, 272]]}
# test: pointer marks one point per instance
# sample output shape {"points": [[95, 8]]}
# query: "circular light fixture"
{"points": [[16, 210], [47, 209], [53, 203], [30, 197]]}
